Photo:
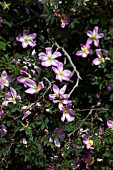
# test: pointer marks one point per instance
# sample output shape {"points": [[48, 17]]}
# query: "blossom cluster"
{"points": [[94, 37]]}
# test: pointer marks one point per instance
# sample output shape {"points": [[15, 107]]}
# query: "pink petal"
{"points": [[96, 61], [4, 74], [55, 88], [57, 54], [89, 33], [33, 36], [69, 118], [30, 83], [95, 30], [63, 89], [30, 91], [79, 53], [48, 50], [24, 44], [96, 42], [46, 63], [55, 70], [13, 92], [101, 35], [25, 32], [32, 43]]}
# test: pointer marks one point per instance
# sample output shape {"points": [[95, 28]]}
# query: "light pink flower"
{"points": [[94, 36], [49, 59], [62, 74], [4, 80], [27, 39], [101, 59], [65, 21], [11, 97], [67, 113], [58, 133], [88, 143], [85, 50], [58, 93], [110, 124], [59, 96], [34, 88], [23, 79]]}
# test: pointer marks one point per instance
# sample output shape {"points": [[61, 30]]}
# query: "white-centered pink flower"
{"points": [[110, 124], [34, 88], [101, 59], [23, 79], [4, 80], [11, 97], [94, 36], [59, 96], [49, 59], [27, 39], [58, 93], [88, 143], [62, 74], [85, 50], [67, 113]]}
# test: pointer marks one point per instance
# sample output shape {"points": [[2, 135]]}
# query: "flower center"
{"points": [[13, 100], [90, 142], [60, 73], [93, 37], [65, 111], [37, 88], [85, 50], [60, 101], [26, 39], [102, 59], [49, 57], [3, 80], [63, 20]]}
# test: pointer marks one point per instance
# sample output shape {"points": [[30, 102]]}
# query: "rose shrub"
{"points": [[56, 84]]}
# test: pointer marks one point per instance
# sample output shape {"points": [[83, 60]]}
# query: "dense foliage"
{"points": [[56, 84]]}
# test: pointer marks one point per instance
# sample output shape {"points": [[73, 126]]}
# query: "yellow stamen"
{"points": [[26, 39], [3, 80], [49, 57], [13, 100], [61, 73], [90, 142], [60, 101], [65, 111], [102, 59], [37, 87], [85, 50], [93, 37]]}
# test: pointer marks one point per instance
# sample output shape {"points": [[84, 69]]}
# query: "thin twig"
{"points": [[90, 112], [74, 67], [48, 86]]}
